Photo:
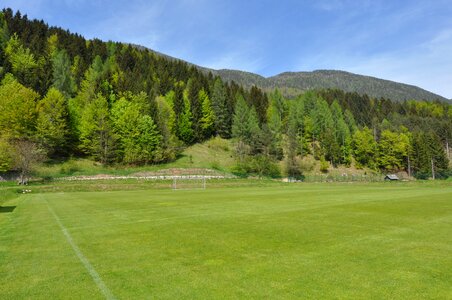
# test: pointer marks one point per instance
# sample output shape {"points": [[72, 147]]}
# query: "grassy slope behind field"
{"points": [[367, 241], [213, 154]]}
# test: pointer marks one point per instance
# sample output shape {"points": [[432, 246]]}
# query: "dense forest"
{"points": [[63, 96]]}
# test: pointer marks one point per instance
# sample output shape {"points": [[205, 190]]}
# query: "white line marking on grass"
{"points": [[96, 277]]}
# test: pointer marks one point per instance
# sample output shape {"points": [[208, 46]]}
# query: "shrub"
{"points": [[324, 165], [217, 143]]}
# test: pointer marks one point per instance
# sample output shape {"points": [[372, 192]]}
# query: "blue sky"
{"points": [[405, 41]]}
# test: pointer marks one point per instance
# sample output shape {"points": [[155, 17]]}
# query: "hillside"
{"points": [[117, 104], [292, 83]]}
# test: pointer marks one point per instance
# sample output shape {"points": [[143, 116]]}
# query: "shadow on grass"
{"points": [[6, 209]]}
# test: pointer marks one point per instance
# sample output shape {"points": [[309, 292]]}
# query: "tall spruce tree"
{"points": [[219, 108], [208, 116]]}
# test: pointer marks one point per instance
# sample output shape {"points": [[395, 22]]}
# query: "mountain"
{"points": [[292, 83]]}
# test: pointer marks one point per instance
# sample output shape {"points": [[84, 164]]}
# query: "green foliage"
{"points": [[4, 32], [6, 155], [260, 165], [148, 141], [62, 76], [342, 135], [140, 141], [365, 148], [165, 121], [96, 133], [322, 119], [245, 126], [208, 116], [219, 108], [185, 130], [240, 125], [52, 123], [122, 103], [218, 144], [22, 61], [350, 121], [275, 117], [426, 153], [393, 150], [17, 106], [324, 165]]}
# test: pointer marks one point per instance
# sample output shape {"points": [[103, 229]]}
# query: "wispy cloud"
{"points": [[235, 59]]}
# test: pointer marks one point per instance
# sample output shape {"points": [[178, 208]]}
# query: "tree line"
{"points": [[62, 96]]}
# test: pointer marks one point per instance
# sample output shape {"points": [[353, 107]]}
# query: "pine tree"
{"points": [[426, 153], [342, 134], [324, 131], [254, 132], [185, 130], [275, 123], [208, 116], [240, 128], [259, 101], [62, 77], [294, 137], [219, 108], [350, 121]]}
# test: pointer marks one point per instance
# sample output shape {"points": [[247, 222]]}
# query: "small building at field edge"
{"points": [[391, 177]]}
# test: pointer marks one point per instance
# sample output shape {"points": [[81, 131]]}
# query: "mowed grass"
{"points": [[299, 241]]}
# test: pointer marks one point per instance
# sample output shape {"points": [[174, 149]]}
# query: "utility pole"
{"points": [[409, 166], [433, 170], [447, 149]]}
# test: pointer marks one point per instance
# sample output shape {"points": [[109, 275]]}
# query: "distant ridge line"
{"points": [[293, 83]]}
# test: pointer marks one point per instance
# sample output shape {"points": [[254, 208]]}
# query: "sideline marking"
{"points": [[95, 276]]}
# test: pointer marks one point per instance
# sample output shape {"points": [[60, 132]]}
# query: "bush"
{"points": [[217, 143], [324, 165], [240, 170], [264, 166], [69, 168], [307, 163], [260, 165], [443, 174]]}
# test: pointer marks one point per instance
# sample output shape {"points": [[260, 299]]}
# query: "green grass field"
{"points": [[299, 241]]}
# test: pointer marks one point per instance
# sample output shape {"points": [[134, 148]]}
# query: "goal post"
{"points": [[189, 182]]}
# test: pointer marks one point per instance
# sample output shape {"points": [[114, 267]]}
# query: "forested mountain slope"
{"points": [[64, 96], [292, 84]]}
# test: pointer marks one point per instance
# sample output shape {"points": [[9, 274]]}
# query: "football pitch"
{"points": [[299, 241]]}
